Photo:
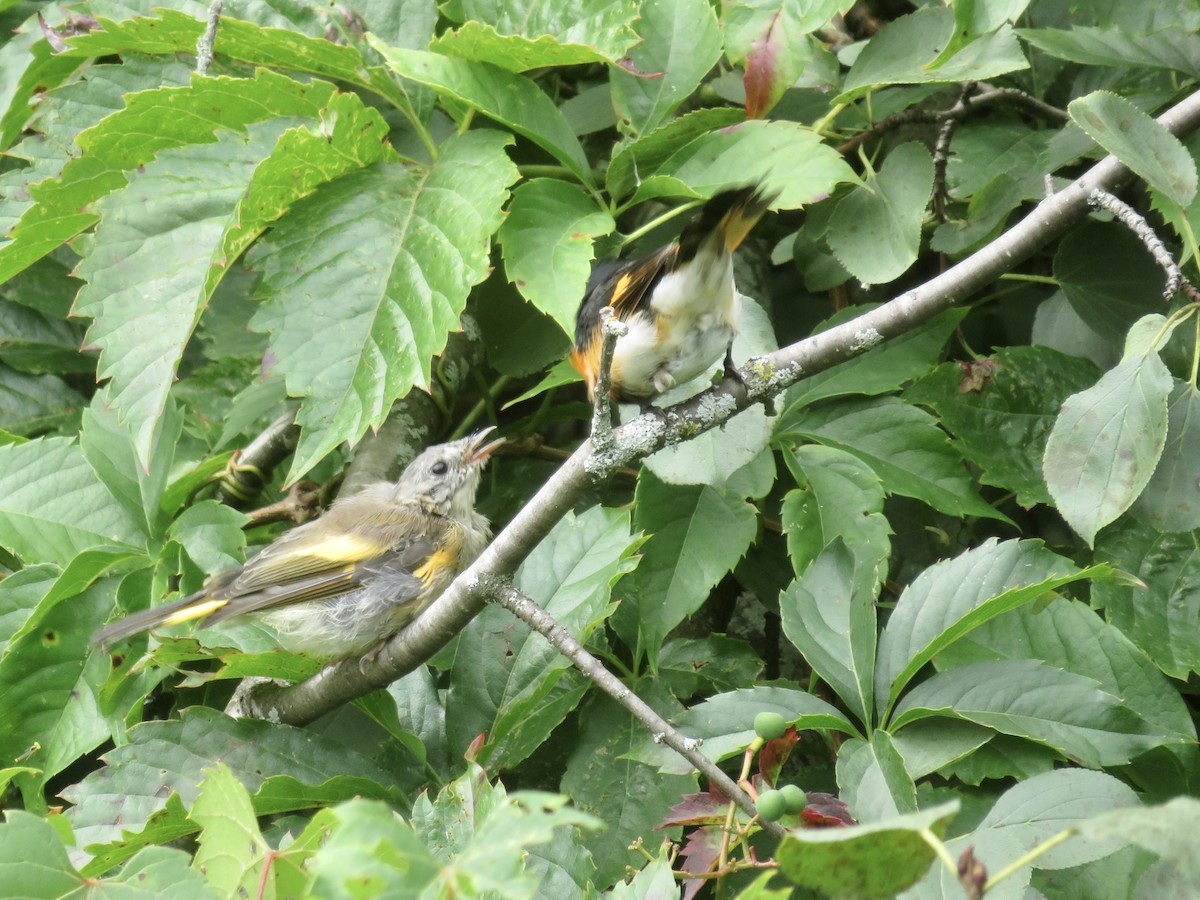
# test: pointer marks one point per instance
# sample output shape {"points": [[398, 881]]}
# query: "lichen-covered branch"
{"points": [[1135, 222]]}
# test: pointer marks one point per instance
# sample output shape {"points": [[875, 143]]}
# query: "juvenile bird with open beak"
{"points": [[339, 585]]}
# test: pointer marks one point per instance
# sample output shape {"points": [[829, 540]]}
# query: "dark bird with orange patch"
{"points": [[679, 303]]}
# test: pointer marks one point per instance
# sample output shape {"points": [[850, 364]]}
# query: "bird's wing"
{"points": [[626, 287], [630, 286], [348, 577]]}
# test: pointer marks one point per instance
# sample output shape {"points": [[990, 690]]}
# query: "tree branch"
{"points": [[763, 377], [529, 612]]}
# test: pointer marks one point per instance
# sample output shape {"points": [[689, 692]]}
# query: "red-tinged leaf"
{"points": [[826, 811], [766, 75], [697, 809], [700, 851], [474, 748], [775, 753]]}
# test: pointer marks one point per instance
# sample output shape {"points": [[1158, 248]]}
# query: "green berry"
{"points": [[794, 798], [769, 725], [771, 805]]}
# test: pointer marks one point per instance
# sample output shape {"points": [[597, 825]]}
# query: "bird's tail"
{"points": [[191, 607], [726, 219]]}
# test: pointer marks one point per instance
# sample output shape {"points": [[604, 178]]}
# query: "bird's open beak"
{"points": [[477, 450]]}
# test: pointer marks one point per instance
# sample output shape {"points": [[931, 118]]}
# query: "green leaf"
{"points": [[547, 240], [33, 860], [634, 160], [680, 43], [212, 535], [254, 750], [1030, 699], [270, 48], [1171, 498], [1001, 410], [151, 122], [872, 779], [951, 598], [160, 871], [520, 34], [1035, 811], [510, 99], [881, 369], [875, 232], [370, 850], [1106, 443], [19, 596], [1139, 142], [697, 535], [49, 680], [1165, 831], [839, 497], [1169, 48], [401, 247], [175, 209], [349, 136], [511, 683], [34, 404], [1108, 277], [232, 852], [1003, 757], [53, 507], [933, 744], [109, 448], [829, 616], [32, 341], [906, 50], [1072, 636], [687, 665], [563, 865], [59, 209], [1159, 617], [869, 861], [725, 723], [31, 67], [605, 779], [902, 444], [486, 834], [715, 456], [784, 156]]}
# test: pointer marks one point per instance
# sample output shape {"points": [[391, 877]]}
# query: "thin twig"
{"points": [[941, 152], [544, 624], [611, 328], [981, 97], [1135, 222], [204, 46]]}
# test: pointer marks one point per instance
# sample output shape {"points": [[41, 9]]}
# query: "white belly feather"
{"points": [[695, 317]]}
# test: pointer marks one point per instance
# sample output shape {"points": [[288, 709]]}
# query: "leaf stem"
{"points": [[659, 220], [939, 847], [1020, 862], [1033, 279]]}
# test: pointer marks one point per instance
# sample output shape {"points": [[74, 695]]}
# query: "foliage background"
{"points": [[963, 563]]}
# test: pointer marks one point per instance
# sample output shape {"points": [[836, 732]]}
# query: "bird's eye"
{"points": [[439, 468]]}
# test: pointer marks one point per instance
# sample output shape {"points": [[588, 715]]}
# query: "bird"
{"points": [[679, 303], [339, 585]]}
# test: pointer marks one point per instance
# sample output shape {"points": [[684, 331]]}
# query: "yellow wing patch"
{"points": [[438, 560], [195, 611]]}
